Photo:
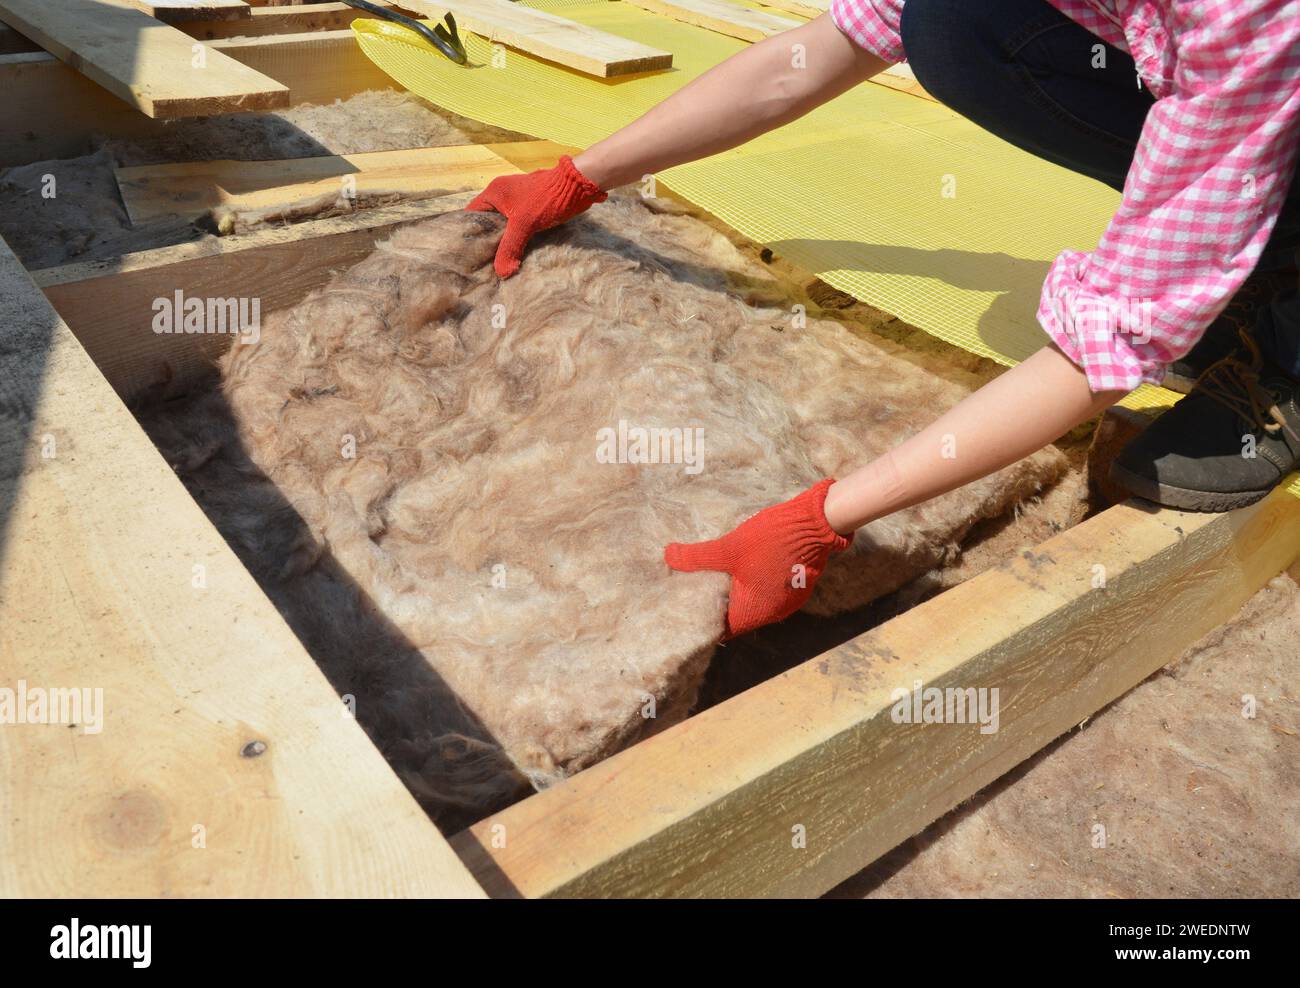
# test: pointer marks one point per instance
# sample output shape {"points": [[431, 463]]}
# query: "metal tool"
{"points": [[445, 39]]}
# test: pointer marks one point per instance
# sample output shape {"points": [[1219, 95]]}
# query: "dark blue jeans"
{"points": [[1025, 72]]}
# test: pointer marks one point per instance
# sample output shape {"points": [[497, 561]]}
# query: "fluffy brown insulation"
{"points": [[490, 592]]}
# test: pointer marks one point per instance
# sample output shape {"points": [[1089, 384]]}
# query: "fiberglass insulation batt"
{"points": [[412, 463]]}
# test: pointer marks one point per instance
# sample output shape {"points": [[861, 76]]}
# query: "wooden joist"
{"points": [[279, 20], [720, 16], [215, 760], [716, 805], [179, 11], [188, 189], [806, 8], [548, 36], [152, 67], [109, 305], [317, 67]]}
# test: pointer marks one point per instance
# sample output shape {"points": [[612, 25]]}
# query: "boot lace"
{"points": [[1234, 383]]}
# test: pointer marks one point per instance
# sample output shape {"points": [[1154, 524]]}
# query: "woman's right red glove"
{"points": [[532, 203], [774, 559]]}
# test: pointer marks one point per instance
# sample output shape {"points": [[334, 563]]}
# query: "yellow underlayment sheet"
{"points": [[854, 191]]}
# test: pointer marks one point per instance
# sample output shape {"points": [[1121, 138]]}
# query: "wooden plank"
{"points": [[710, 806], [149, 65], [12, 41], [176, 11], [900, 77], [278, 20], [316, 67], [803, 8], [190, 189], [721, 17], [546, 35], [109, 304], [112, 579]]}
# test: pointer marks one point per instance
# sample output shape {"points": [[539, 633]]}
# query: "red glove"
{"points": [[775, 559], [532, 203]]}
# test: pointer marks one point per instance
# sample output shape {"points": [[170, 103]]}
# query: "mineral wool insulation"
{"points": [[436, 476]]}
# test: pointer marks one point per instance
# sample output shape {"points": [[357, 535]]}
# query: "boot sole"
{"points": [[1181, 498]]}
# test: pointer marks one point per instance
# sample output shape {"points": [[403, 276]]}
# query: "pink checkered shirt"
{"points": [[1213, 166]]}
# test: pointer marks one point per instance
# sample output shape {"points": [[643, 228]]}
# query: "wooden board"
{"points": [[712, 806], [556, 39], [112, 579], [189, 189], [109, 304], [901, 78], [174, 11], [12, 41], [278, 20], [805, 9], [149, 65], [720, 16], [316, 66]]}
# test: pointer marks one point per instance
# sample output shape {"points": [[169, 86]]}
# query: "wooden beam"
{"points": [[901, 78], [109, 304], [803, 9], [149, 65], [316, 67], [190, 189], [179, 11], [217, 760], [711, 806], [12, 41], [556, 39], [721, 17], [278, 20]]}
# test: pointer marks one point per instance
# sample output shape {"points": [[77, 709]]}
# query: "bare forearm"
{"points": [[1014, 415], [756, 90]]}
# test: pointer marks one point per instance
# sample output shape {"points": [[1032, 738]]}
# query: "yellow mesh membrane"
{"points": [[854, 191]]}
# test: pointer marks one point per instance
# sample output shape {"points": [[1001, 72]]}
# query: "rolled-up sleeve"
{"points": [[873, 25], [1211, 172]]}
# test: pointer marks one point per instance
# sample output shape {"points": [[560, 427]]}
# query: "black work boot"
{"points": [[1222, 338], [1224, 446]]}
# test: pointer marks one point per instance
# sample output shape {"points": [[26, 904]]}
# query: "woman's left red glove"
{"points": [[775, 559]]}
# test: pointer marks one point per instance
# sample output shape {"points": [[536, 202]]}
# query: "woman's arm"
{"points": [[754, 91], [1014, 415], [776, 557]]}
